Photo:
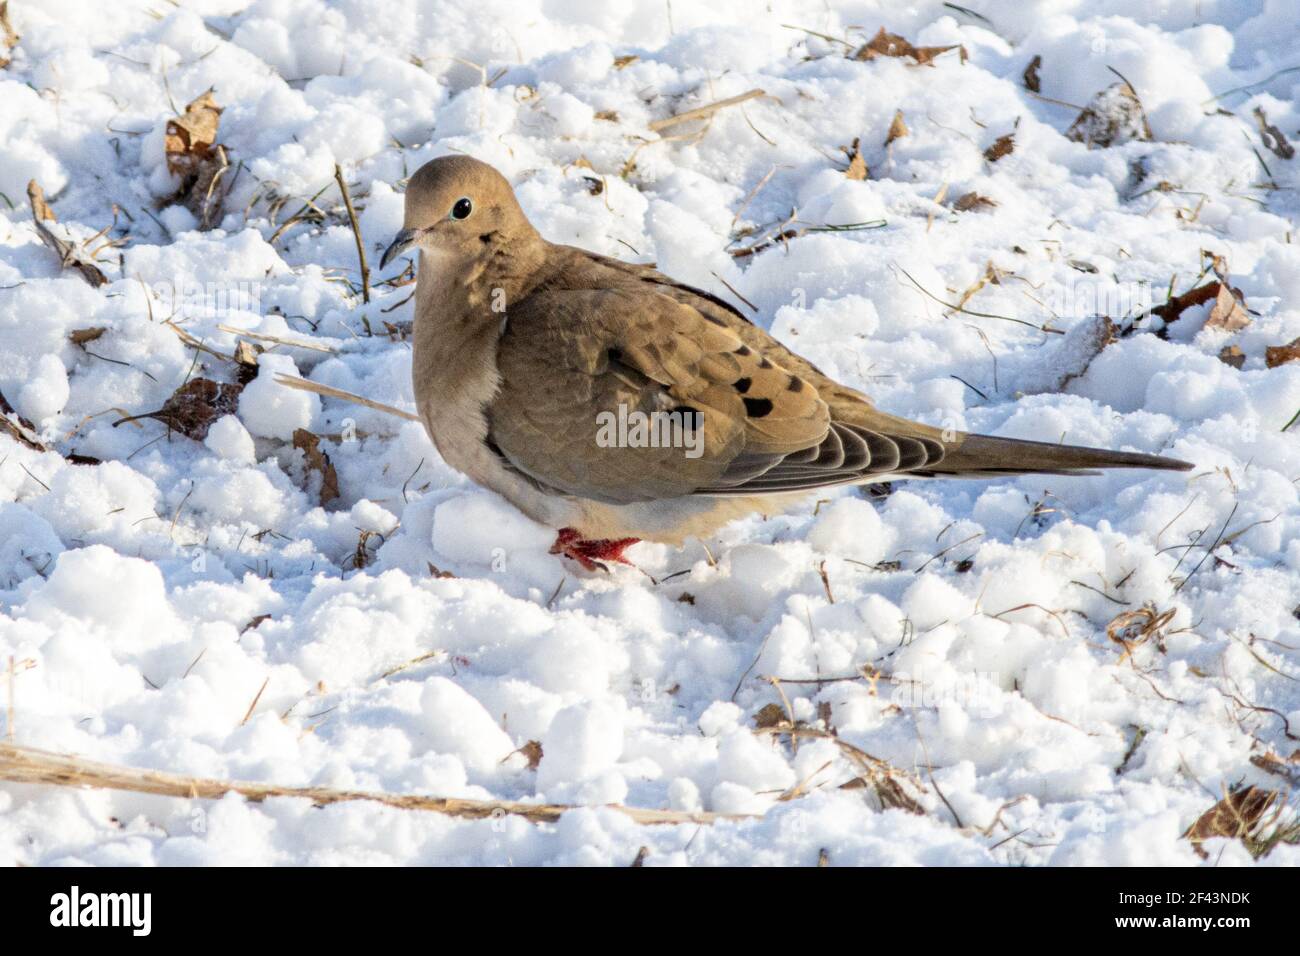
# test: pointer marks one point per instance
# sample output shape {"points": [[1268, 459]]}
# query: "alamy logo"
{"points": [[102, 909], [632, 428]]}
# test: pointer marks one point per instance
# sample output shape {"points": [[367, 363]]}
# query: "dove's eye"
{"points": [[462, 209]]}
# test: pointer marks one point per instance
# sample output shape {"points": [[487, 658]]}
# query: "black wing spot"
{"points": [[742, 385], [796, 384], [743, 350], [714, 319], [764, 363], [757, 407]]}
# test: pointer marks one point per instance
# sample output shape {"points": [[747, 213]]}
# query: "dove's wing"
{"points": [[568, 359]]}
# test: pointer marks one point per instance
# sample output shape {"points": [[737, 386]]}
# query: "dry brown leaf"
{"points": [[973, 202], [246, 359], [190, 138], [857, 165], [19, 428], [1030, 76], [609, 116], [1114, 116], [1232, 355], [193, 407], [1002, 146], [1237, 817], [532, 752], [770, 715], [253, 623], [82, 336], [624, 61], [194, 155], [891, 44], [318, 461], [69, 253], [1276, 355], [1227, 313], [897, 128], [1272, 137], [1172, 310]]}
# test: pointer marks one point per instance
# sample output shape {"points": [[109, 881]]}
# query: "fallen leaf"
{"points": [[1232, 355], [857, 165], [82, 336], [891, 44], [1237, 817], [437, 572], [22, 431], [1002, 146], [532, 752], [1276, 355], [189, 138], [1030, 76], [318, 461], [1172, 310], [194, 155], [254, 622], [973, 202], [609, 116], [70, 254], [770, 715], [246, 359], [624, 61], [1114, 116], [1227, 312], [897, 128], [193, 407], [1272, 136]]}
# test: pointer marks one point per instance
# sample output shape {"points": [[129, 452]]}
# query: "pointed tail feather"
{"points": [[983, 455]]}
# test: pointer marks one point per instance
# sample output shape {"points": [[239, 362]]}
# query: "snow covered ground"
{"points": [[190, 606]]}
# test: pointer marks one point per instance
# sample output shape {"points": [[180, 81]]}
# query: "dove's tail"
{"points": [[979, 456]]}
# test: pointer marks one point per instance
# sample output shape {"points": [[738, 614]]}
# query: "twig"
{"points": [[263, 337], [253, 705], [356, 233], [27, 765], [309, 386], [703, 112]]}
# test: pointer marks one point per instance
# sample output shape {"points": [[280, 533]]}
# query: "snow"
{"points": [[189, 606]]}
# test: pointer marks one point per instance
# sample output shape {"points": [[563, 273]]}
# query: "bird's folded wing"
{"points": [[583, 370]]}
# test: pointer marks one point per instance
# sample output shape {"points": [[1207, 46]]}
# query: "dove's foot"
{"points": [[590, 552]]}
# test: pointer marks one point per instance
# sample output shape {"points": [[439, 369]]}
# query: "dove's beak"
{"points": [[401, 242]]}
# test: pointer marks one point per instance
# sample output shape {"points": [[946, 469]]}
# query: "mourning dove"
{"points": [[537, 367]]}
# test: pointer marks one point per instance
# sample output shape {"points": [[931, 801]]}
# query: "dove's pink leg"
{"points": [[590, 552]]}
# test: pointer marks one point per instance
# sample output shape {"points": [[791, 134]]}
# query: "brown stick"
{"points": [[702, 112], [356, 233], [309, 386], [31, 766]]}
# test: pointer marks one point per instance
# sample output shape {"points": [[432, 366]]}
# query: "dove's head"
{"points": [[458, 208]]}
